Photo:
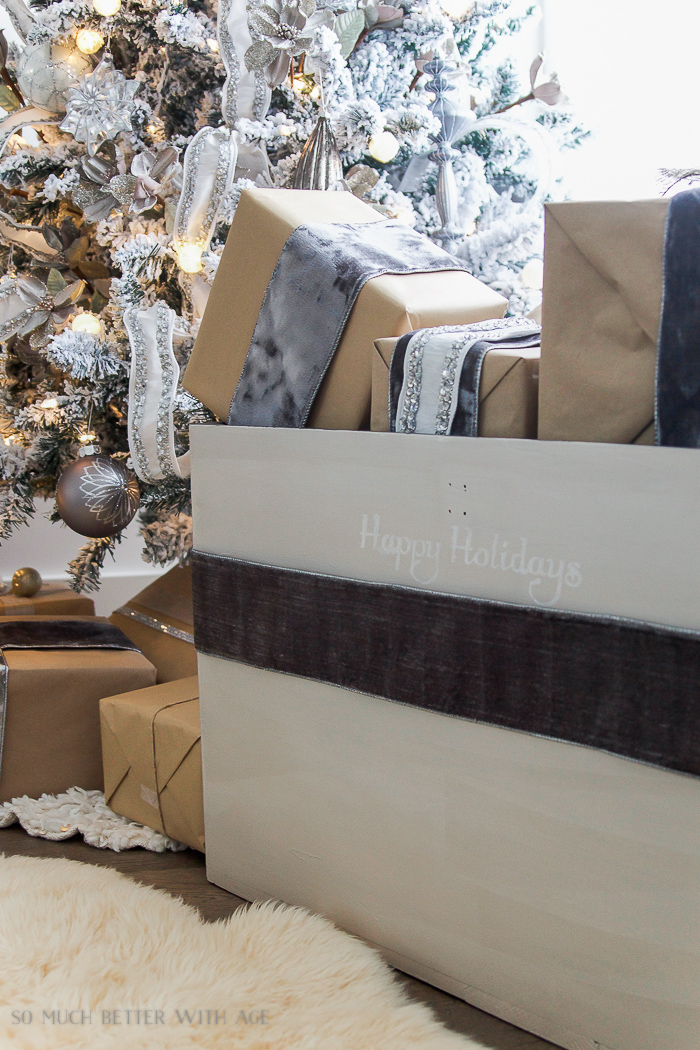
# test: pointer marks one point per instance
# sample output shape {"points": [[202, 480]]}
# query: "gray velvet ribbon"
{"points": [[320, 272], [616, 685], [435, 374], [53, 634], [678, 360]]}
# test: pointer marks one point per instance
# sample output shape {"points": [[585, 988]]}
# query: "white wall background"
{"points": [[49, 548], [631, 69]]}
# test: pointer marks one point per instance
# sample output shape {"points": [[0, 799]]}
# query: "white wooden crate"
{"points": [[553, 885]]}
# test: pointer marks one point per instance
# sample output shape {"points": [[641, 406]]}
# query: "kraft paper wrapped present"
{"points": [[54, 599], [153, 758], [507, 391], [159, 620], [53, 674], [388, 305], [603, 271]]}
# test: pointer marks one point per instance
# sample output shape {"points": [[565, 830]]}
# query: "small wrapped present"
{"points": [[53, 674], [603, 277], [153, 758], [480, 380], [159, 620], [54, 599], [308, 280]]}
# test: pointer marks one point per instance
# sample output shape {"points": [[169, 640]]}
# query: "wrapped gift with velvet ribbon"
{"points": [[477, 380], [53, 674], [308, 280], [621, 322], [449, 700]]}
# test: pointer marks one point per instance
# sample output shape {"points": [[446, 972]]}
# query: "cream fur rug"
{"points": [[78, 943]]}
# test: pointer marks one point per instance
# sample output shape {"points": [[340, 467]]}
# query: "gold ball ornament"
{"points": [[26, 583], [97, 496], [46, 72]]}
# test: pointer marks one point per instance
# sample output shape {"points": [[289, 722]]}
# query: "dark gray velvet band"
{"points": [[62, 634], [619, 686], [320, 273], [678, 361]]}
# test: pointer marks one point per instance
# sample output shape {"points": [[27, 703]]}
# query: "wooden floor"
{"points": [[183, 875]]}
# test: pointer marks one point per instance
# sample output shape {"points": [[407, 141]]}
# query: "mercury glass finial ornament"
{"points": [[46, 73], [454, 123], [319, 166], [97, 495]]}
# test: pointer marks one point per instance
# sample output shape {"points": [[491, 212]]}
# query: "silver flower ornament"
{"points": [[51, 304], [93, 193], [101, 106], [151, 169], [550, 92], [381, 16], [282, 31]]}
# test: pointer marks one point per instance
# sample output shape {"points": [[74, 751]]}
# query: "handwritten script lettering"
{"points": [[545, 577]]}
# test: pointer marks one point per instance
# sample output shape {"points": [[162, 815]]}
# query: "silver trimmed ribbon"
{"points": [[208, 169], [435, 374], [157, 625], [152, 389], [246, 92]]}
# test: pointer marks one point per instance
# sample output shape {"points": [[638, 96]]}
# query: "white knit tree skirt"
{"points": [[79, 812]]}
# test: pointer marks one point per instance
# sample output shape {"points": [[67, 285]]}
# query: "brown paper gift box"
{"points": [[387, 306], [52, 718], [153, 759], [507, 391], [54, 599], [159, 621], [600, 320]]}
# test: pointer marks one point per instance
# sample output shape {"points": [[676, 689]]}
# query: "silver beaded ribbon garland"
{"points": [[209, 166], [429, 393], [152, 388]]}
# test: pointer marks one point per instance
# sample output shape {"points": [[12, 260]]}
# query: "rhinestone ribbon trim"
{"points": [[484, 334], [152, 389], [157, 625]]}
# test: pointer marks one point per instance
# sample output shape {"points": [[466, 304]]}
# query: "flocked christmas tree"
{"points": [[146, 120]]}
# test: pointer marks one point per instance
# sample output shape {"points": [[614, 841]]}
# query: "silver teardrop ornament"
{"points": [[319, 166]]}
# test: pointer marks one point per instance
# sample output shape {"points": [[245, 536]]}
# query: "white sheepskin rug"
{"points": [[80, 812], [89, 958]]}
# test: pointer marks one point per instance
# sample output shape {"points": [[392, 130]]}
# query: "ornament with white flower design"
{"points": [[97, 495]]}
